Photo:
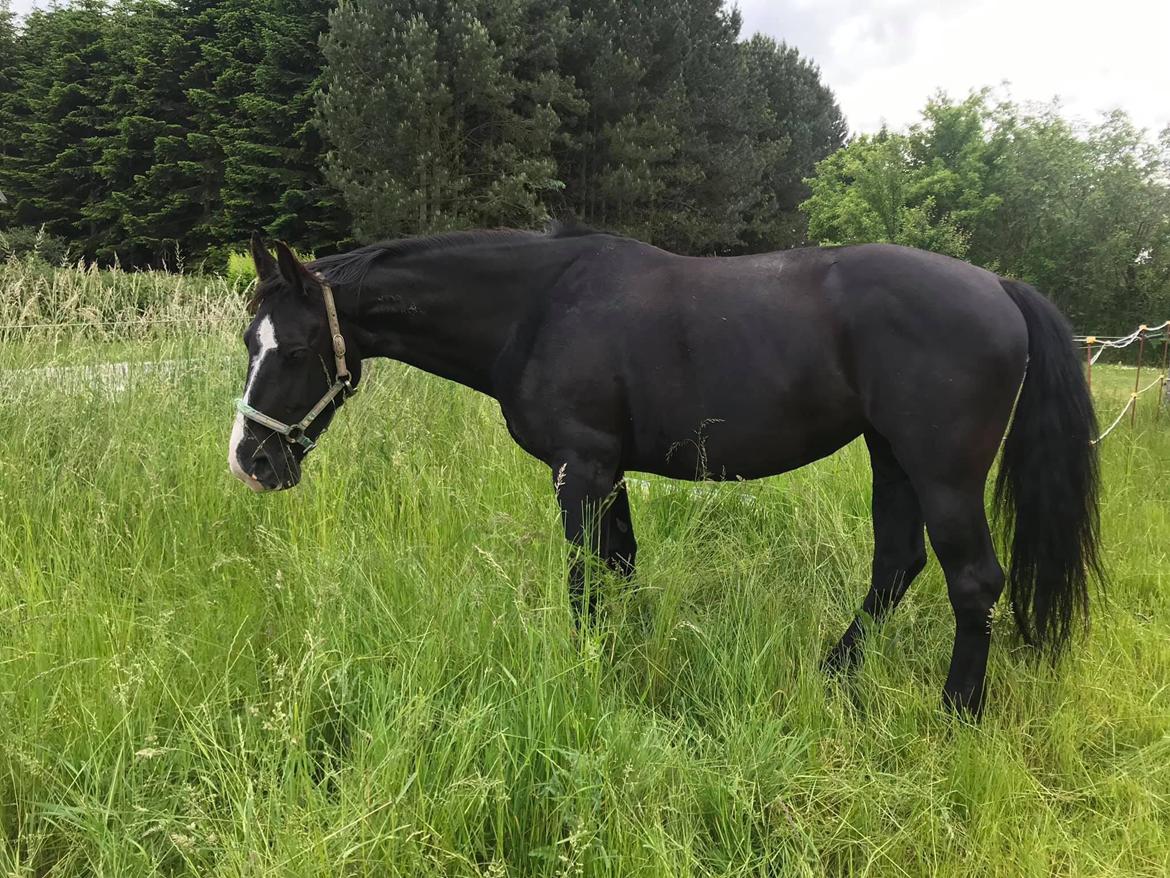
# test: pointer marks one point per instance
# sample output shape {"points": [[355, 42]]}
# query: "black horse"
{"points": [[608, 355]]}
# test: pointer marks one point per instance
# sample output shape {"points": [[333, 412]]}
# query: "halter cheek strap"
{"points": [[335, 332], [294, 434]]}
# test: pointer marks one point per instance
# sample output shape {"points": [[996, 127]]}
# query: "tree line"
{"points": [[163, 131]]}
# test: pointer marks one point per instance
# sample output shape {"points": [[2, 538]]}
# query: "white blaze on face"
{"points": [[266, 336]]}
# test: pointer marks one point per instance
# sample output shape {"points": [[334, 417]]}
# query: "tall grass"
{"points": [[374, 674], [39, 303]]}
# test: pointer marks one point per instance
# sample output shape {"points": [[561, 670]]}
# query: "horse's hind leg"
{"points": [[957, 523], [949, 470], [899, 550]]}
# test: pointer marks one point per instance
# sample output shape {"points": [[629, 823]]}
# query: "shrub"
{"points": [[240, 272], [19, 241]]}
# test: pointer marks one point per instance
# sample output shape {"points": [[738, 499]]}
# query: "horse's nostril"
{"points": [[263, 473]]}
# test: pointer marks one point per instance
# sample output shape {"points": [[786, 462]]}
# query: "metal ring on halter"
{"points": [[294, 434]]}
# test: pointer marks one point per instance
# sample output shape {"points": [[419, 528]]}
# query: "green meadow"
{"points": [[375, 674]]}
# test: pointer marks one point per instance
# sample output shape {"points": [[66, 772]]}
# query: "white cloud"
{"points": [[884, 58]]}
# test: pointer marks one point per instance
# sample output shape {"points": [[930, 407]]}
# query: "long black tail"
{"points": [[1046, 492]]}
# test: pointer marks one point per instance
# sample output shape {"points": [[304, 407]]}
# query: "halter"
{"points": [[294, 434]]}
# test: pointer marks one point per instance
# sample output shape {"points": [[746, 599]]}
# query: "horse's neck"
{"points": [[449, 312]]}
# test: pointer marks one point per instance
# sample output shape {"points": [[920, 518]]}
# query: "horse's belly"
{"points": [[753, 446]]}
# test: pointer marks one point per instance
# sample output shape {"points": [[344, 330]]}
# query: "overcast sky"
{"points": [[883, 58]]}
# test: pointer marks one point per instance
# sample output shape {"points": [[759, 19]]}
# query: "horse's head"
{"points": [[299, 372]]}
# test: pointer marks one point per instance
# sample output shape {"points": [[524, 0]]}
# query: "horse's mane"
{"points": [[353, 266]]}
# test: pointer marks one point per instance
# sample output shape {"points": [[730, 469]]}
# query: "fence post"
{"points": [[1089, 340], [1164, 389], [1138, 377]]}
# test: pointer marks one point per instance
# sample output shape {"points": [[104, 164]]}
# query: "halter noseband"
{"points": [[294, 434]]}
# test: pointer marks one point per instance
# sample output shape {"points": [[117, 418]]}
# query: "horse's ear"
{"points": [[290, 267], [261, 258]]}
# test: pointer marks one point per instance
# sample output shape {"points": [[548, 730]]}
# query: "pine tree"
{"points": [[385, 109], [192, 72], [152, 197], [164, 131], [442, 115], [803, 125], [212, 135], [124, 146], [669, 148], [272, 179], [63, 79], [507, 81], [10, 122], [219, 83]]}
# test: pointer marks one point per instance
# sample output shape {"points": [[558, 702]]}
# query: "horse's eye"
{"points": [[298, 353]]}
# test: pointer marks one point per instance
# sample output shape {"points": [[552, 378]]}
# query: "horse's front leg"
{"points": [[595, 511]]}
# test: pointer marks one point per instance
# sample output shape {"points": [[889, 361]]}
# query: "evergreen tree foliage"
{"points": [[667, 148], [62, 77], [272, 175], [804, 125], [136, 110], [162, 132], [442, 113], [10, 123], [252, 129], [649, 118]]}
